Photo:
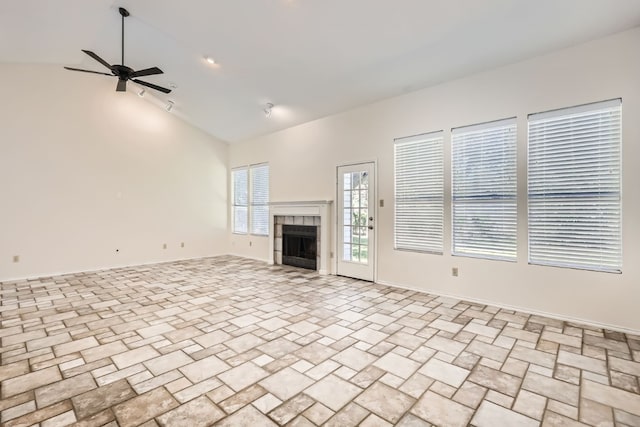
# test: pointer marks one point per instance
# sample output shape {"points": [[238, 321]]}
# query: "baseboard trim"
{"points": [[514, 308], [95, 269], [254, 258]]}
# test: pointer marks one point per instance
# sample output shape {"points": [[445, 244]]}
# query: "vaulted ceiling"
{"points": [[310, 58]]}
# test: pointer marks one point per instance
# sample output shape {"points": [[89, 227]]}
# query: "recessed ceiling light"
{"points": [[210, 60]]}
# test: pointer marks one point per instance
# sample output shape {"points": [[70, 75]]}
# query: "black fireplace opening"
{"points": [[299, 245]]}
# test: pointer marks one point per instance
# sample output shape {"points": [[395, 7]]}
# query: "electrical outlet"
{"points": [[16, 258], [454, 271], [382, 203], [182, 245], [164, 246]]}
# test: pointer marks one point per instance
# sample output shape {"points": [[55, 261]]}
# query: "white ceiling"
{"points": [[310, 58]]}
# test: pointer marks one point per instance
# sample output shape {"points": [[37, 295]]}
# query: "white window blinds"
{"points": [[419, 192], [259, 199], [574, 187], [240, 185], [484, 190]]}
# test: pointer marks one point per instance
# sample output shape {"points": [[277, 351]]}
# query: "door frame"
{"points": [[335, 235]]}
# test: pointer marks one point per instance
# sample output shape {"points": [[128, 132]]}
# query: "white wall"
{"points": [[85, 171], [303, 160]]}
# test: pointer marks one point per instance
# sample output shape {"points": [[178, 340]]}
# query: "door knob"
{"points": [[371, 227]]}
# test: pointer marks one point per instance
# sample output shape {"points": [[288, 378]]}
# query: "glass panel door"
{"points": [[356, 220]]}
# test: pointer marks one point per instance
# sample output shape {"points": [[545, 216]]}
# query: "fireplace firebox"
{"points": [[299, 246]]}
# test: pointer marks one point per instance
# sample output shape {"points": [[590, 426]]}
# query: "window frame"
{"points": [[252, 197], [422, 244], [249, 196], [505, 199], [573, 113]]}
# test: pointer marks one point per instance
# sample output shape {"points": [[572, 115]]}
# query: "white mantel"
{"points": [[321, 208]]}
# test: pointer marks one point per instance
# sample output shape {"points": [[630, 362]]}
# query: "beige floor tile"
{"points": [[286, 383], [135, 356], [102, 351], [611, 396], [247, 417], [204, 368], [385, 402], [318, 413], [439, 410], [530, 404], [200, 412], [212, 338], [144, 407], [95, 401], [397, 365], [168, 362], [48, 341], [75, 346], [266, 403], [65, 389], [244, 342], [333, 392], [351, 415], [291, 409], [243, 376], [445, 372], [14, 370], [18, 410], [354, 358], [496, 380], [582, 362], [492, 415], [303, 328], [446, 345], [549, 387], [30, 381]]}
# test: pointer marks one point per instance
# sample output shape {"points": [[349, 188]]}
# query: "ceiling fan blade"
{"points": [[88, 71], [122, 85], [152, 86], [97, 58], [146, 72]]}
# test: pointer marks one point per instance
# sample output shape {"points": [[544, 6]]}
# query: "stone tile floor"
{"points": [[235, 342]]}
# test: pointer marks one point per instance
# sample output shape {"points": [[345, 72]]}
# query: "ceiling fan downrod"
{"points": [[124, 13]]}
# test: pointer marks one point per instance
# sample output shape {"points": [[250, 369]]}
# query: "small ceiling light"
{"points": [[210, 60], [169, 106], [141, 93], [268, 109]]}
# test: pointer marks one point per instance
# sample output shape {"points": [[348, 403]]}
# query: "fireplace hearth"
{"points": [[299, 246]]}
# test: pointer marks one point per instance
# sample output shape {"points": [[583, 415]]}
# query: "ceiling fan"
{"points": [[122, 72]]}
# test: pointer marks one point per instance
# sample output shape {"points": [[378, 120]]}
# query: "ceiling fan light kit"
{"points": [[121, 71]]}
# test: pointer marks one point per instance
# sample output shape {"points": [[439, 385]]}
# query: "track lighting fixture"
{"points": [[141, 93], [267, 110], [169, 106]]}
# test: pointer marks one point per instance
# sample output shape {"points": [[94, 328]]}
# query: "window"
{"points": [[254, 181], [419, 192], [259, 199], [484, 190], [240, 200], [574, 187]]}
